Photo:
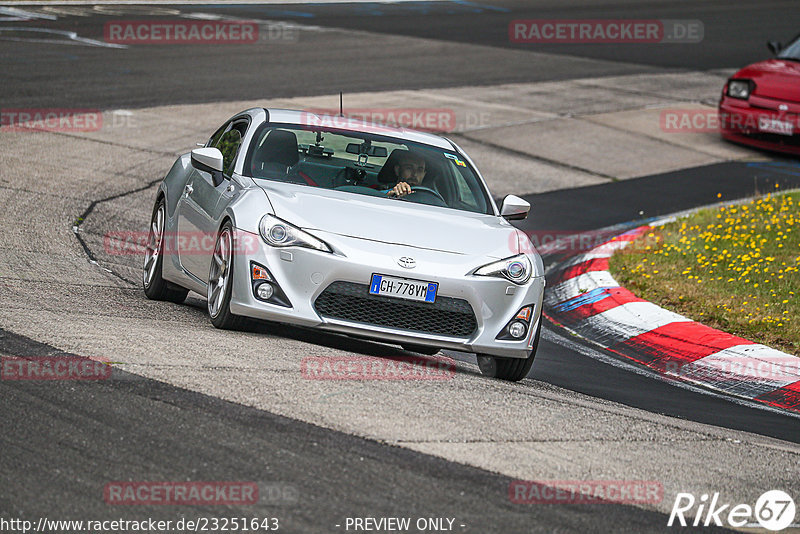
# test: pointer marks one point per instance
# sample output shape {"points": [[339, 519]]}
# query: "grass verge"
{"points": [[733, 267]]}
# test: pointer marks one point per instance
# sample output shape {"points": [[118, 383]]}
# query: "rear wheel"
{"points": [[512, 369], [220, 282], [155, 287]]}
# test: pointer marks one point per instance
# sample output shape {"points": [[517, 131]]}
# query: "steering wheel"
{"points": [[415, 189]]}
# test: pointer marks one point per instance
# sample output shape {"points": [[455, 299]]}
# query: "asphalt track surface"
{"points": [[145, 430], [62, 442], [42, 75]]}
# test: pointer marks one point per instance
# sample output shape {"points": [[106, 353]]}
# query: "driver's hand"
{"points": [[399, 190]]}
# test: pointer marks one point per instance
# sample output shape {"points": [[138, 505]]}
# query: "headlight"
{"points": [[280, 233], [739, 89], [518, 269]]}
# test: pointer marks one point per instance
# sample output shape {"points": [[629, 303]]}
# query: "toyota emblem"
{"points": [[783, 107], [406, 262]]}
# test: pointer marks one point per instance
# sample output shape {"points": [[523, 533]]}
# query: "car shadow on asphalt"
{"points": [[343, 342]]}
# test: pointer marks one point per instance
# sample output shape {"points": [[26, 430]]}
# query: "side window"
{"points": [[215, 138], [229, 145], [228, 139], [464, 192]]}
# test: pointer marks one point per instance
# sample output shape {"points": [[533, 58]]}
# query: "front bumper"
{"points": [[742, 122], [303, 274]]}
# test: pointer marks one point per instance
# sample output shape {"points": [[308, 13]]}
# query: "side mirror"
{"points": [[208, 160], [774, 47], [514, 208]]}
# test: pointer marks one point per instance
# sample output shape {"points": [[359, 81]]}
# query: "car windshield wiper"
{"points": [[789, 58]]}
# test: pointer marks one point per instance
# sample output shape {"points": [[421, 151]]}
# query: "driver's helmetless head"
{"points": [[410, 168]]}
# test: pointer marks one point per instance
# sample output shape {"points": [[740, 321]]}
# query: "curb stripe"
{"points": [[595, 264], [630, 320], [616, 296], [590, 297], [734, 371], [680, 343], [586, 298], [786, 397], [607, 249], [575, 287]]}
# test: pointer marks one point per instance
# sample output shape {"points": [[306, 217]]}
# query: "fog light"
{"points": [[517, 329], [265, 291]]}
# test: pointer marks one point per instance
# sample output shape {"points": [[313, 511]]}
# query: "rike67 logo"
{"points": [[774, 510]]}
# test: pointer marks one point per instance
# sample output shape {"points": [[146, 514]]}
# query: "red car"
{"points": [[760, 104]]}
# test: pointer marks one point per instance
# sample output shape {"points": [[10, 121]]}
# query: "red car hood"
{"points": [[775, 78]]}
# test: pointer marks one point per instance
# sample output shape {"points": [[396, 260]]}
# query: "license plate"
{"points": [[403, 288], [766, 124]]}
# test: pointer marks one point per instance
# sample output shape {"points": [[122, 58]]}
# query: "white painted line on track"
{"points": [[267, 22], [19, 14], [69, 38]]}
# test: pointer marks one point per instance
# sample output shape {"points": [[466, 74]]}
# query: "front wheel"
{"points": [[220, 282], [511, 369]]}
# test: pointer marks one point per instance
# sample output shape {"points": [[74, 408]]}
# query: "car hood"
{"points": [[774, 78], [392, 221]]}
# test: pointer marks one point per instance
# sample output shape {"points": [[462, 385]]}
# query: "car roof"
{"points": [[291, 116]]}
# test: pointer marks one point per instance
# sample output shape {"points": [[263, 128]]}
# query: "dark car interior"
{"points": [[359, 165]]}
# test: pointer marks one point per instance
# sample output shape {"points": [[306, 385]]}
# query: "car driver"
{"points": [[409, 171]]}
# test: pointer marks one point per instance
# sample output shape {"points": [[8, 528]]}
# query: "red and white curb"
{"points": [[587, 300]]}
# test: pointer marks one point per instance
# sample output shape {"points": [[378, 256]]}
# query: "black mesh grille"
{"points": [[352, 302]]}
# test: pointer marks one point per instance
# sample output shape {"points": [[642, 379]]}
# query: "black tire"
{"points": [[219, 306], [155, 287], [422, 349], [511, 369]]}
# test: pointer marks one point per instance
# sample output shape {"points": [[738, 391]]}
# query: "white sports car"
{"points": [[351, 227]]}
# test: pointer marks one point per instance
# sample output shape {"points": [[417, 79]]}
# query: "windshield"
{"points": [[792, 50], [365, 164]]}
